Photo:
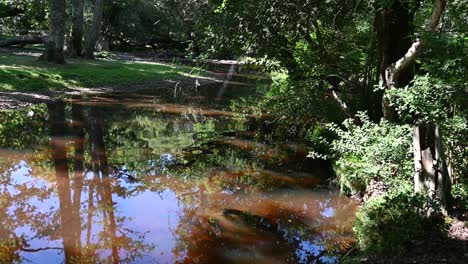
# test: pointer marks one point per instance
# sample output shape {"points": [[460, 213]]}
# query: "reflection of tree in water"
{"points": [[267, 228], [215, 175], [18, 200], [234, 211], [113, 235], [233, 207], [18, 131], [16, 211]]}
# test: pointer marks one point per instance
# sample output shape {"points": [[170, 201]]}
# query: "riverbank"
{"points": [[27, 81], [444, 241], [446, 246], [24, 80]]}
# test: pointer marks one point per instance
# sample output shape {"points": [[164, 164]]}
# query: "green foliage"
{"points": [[24, 73], [296, 107], [308, 49], [430, 99], [162, 23], [34, 17], [23, 129], [425, 100], [456, 146], [245, 105], [460, 193], [387, 223], [371, 151], [321, 138]]}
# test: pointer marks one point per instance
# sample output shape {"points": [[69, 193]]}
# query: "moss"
{"points": [[25, 73]]}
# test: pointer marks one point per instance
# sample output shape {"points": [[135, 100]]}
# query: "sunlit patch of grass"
{"points": [[25, 73]]}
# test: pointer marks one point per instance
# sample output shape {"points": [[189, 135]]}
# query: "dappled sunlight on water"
{"points": [[140, 179]]}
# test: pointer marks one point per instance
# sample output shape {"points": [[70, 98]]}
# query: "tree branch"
{"points": [[40, 249], [417, 47], [342, 104]]}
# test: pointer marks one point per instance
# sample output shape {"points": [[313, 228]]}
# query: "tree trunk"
{"points": [[431, 172], [101, 163], [78, 167], [77, 27], [431, 169], [23, 40], [95, 29], [56, 40], [393, 30], [59, 156]]}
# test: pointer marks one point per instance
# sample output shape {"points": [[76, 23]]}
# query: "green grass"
{"points": [[25, 73]]}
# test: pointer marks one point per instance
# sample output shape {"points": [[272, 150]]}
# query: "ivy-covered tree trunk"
{"points": [[56, 40], [77, 27], [95, 29]]}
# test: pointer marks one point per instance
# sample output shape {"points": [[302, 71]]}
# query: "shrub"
{"points": [[24, 128], [460, 198], [368, 151], [429, 99], [387, 223]]}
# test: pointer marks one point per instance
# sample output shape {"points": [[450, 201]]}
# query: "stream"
{"points": [[164, 176]]}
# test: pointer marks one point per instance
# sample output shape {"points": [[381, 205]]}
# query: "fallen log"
{"points": [[22, 40], [8, 11]]}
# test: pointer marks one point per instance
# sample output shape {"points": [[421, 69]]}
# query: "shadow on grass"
{"points": [[25, 73]]}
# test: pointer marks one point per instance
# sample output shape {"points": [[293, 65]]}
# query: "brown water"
{"points": [[146, 179]]}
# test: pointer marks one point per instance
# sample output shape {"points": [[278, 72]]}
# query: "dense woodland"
{"points": [[378, 88]]}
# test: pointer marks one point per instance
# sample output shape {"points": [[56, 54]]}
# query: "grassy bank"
{"points": [[25, 73]]}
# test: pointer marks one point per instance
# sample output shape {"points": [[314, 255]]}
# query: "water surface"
{"points": [[158, 178]]}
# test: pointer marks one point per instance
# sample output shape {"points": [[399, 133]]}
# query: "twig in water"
{"points": [[175, 90]]}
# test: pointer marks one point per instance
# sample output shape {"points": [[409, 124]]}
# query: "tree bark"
{"points": [[77, 27], [55, 42], [23, 40], [393, 27], [431, 173], [95, 29]]}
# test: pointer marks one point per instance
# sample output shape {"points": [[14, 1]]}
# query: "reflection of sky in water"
{"points": [[20, 175], [328, 212], [308, 248], [160, 214], [156, 214]]}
